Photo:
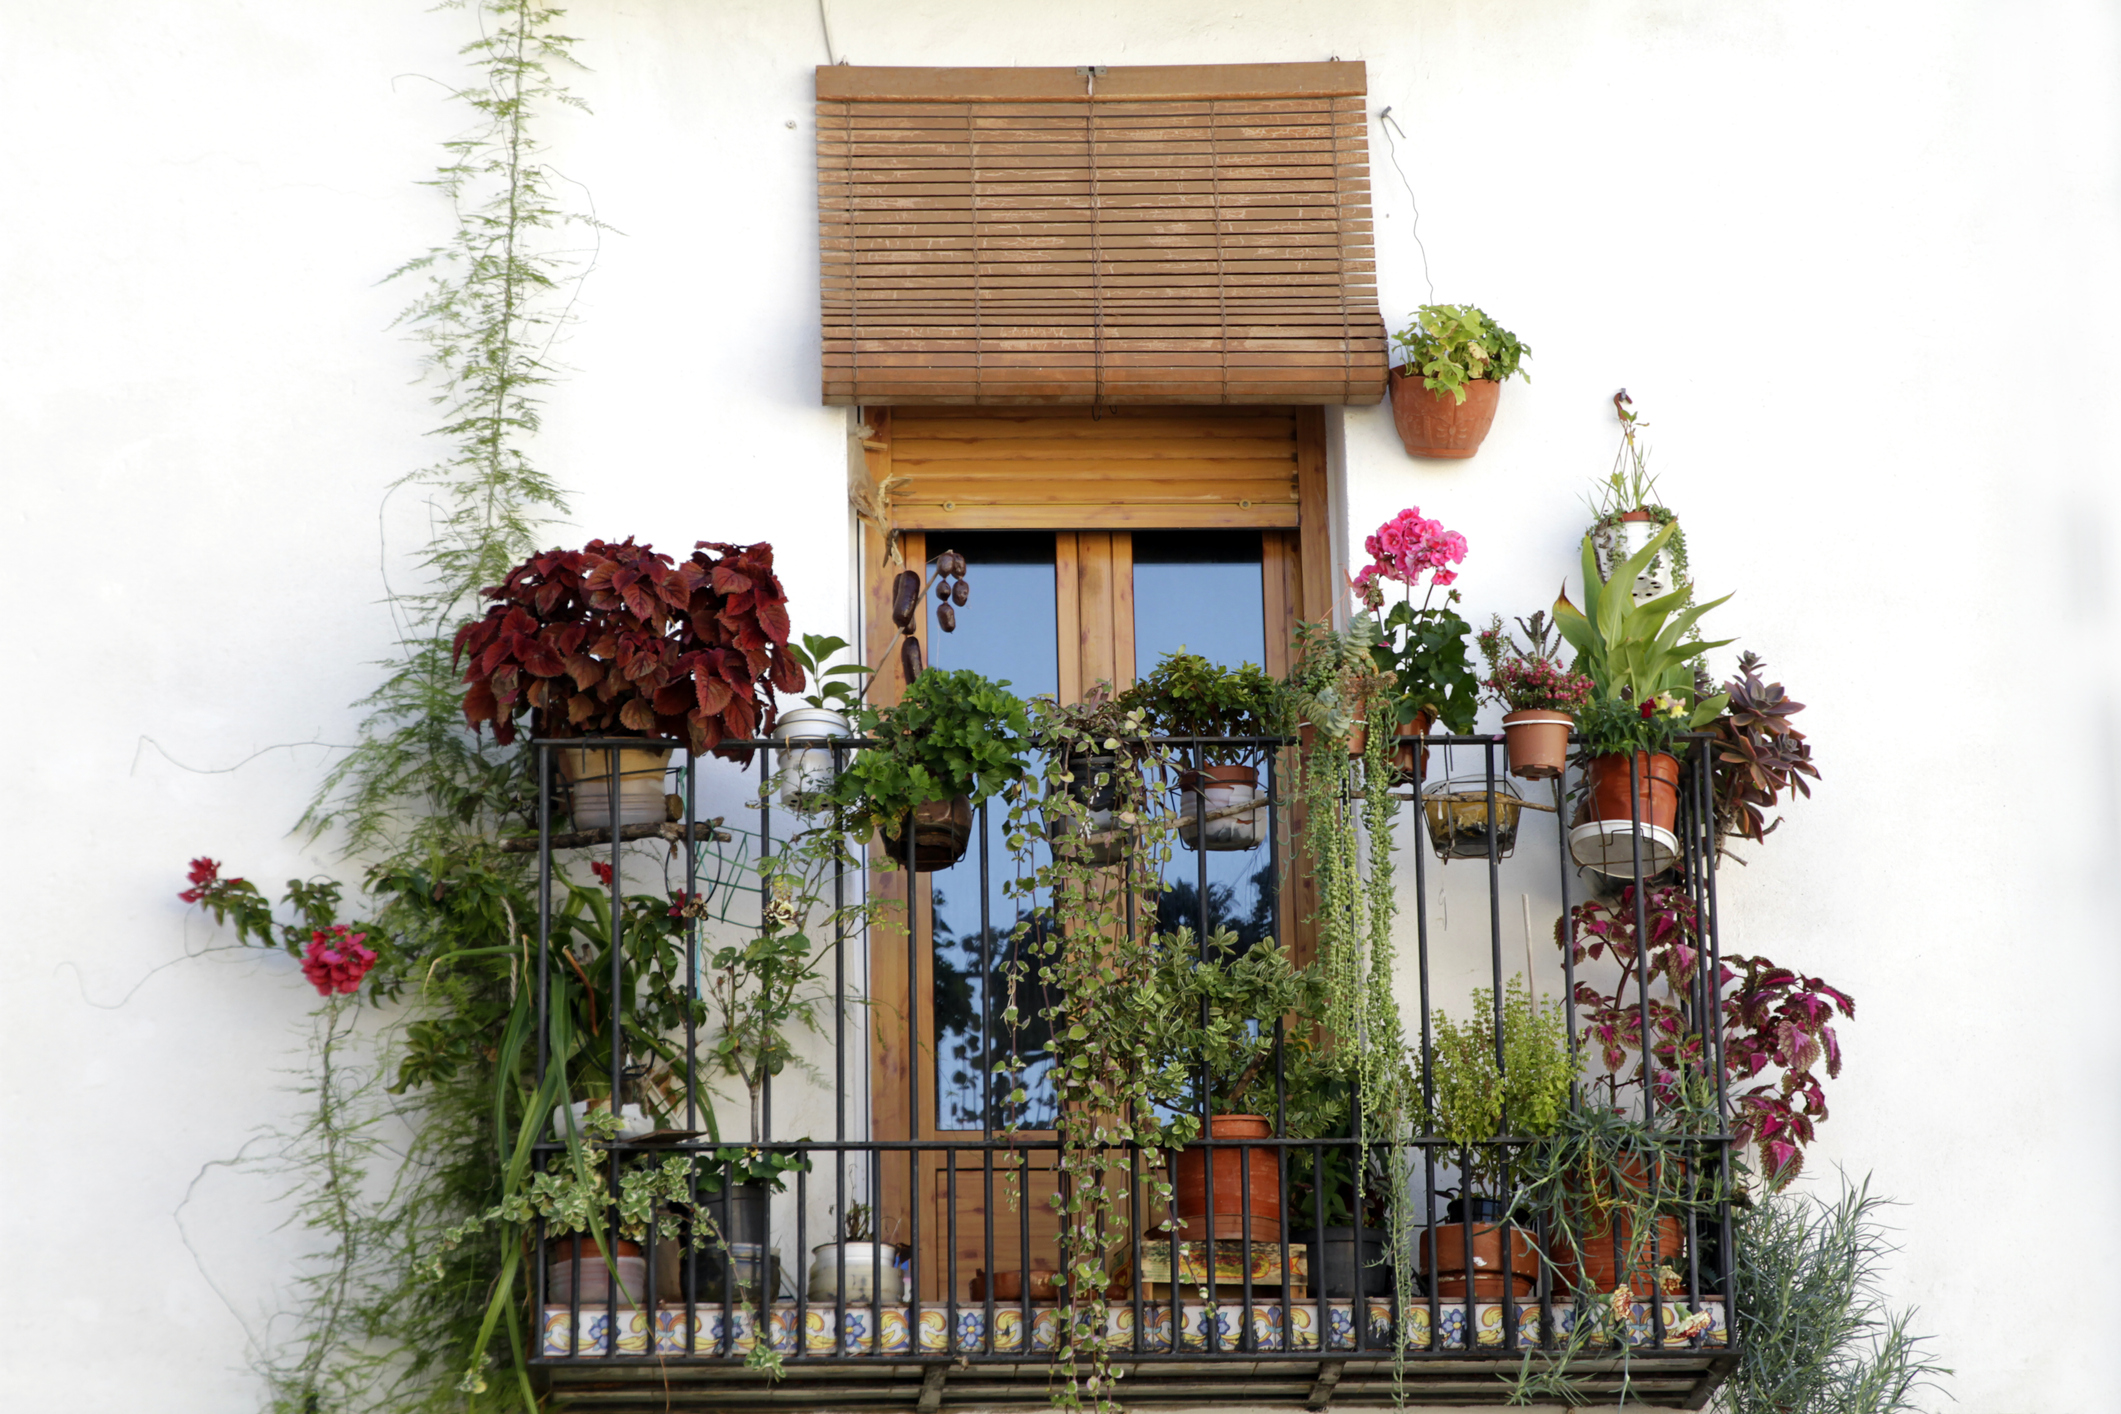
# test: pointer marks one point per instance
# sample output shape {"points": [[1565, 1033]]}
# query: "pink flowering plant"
{"points": [[335, 956], [1423, 649], [1531, 679], [1777, 1023]]}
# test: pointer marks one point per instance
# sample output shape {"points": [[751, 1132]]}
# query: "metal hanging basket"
{"points": [[1461, 817]]}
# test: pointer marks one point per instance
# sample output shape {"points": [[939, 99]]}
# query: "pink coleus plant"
{"points": [[1777, 1023]]}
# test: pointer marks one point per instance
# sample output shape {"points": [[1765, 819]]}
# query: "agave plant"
{"points": [[1638, 653], [1759, 755]]}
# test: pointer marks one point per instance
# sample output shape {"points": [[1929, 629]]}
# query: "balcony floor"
{"points": [[873, 1360]]}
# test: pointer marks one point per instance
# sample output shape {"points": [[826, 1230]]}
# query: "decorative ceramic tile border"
{"points": [[866, 1330]]}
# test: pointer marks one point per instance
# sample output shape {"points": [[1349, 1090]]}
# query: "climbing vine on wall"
{"points": [[390, 1316]]}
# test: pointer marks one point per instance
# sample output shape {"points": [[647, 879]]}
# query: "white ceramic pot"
{"points": [[1615, 543], [587, 771], [633, 1121], [599, 1290], [869, 1267], [1224, 787], [806, 767]]}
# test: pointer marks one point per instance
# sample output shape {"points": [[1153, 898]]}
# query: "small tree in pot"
{"points": [[1188, 696]]}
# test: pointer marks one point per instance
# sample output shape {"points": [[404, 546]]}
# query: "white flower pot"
{"points": [[1224, 787], [806, 769], [1615, 543], [633, 1121], [870, 1272]]}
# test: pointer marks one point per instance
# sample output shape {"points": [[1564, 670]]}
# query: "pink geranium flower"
{"points": [[337, 960], [1407, 547]]}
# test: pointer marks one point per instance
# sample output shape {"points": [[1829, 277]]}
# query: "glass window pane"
{"points": [[1201, 591], [1008, 630]]}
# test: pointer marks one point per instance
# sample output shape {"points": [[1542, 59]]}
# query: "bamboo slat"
{"points": [[1022, 236]]}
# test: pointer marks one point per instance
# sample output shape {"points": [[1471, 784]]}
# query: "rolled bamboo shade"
{"points": [[1057, 236]]}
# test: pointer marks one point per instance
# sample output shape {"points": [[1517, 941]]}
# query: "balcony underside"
{"points": [[1672, 1379]]}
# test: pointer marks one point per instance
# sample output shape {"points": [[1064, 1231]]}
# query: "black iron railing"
{"points": [[1281, 1288]]}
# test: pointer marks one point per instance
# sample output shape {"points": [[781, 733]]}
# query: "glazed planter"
{"points": [[941, 830], [1238, 1204], [1448, 1272], [1098, 816], [1615, 543], [1212, 788], [1353, 1262], [1605, 1245], [1604, 839], [856, 1271], [807, 769], [587, 772], [1537, 743], [1436, 424], [624, 1281]]}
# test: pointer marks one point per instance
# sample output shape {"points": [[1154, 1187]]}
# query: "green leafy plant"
{"points": [[1186, 696], [952, 733], [1085, 935], [1212, 1014], [1447, 344], [1506, 1071], [1639, 654], [1814, 1333], [813, 655], [1630, 490], [1423, 649]]}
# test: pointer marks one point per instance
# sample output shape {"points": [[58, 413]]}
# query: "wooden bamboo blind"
{"points": [[1144, 235]]}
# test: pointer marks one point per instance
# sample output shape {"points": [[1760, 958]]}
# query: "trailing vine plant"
{"points": [[391, 1316], [1089, 849]]}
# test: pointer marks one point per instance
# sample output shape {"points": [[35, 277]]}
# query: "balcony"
{"points": [[756, 1295]]}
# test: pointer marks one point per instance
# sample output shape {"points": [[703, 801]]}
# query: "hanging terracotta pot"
{"points": [[1247, 1182], [1436, 424], [1448, 1278], [941, 830], [1537, 743]]}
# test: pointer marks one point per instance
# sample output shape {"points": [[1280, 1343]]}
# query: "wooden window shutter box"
{"points": [[1056, 236]]}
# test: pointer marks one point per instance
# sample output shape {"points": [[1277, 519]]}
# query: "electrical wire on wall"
{"points": [[1387, 125]]}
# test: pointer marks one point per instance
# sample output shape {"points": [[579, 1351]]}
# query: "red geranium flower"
{"points": [[205, 874], [602, 870]]}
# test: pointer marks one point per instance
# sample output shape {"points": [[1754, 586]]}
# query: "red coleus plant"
{"points": [[614, 639], [1772, 1018]]}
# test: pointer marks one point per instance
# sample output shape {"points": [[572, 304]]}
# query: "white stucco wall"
{"points": [[1854, 261]]}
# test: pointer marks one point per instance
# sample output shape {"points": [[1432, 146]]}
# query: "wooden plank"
{"points": [[862, 83], [1092, 516], [1067, 585], [1318, 599], [1094, 643]]}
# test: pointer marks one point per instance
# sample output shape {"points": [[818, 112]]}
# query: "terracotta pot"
{"points": [[1598, 1273], [1449, 1268], [1214, 788], [1656, 788], [599, 1289], [1538, 743], [1405, 753], [941, 831], [1436, 424], [1009, 1286], [1236, 1206]]}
